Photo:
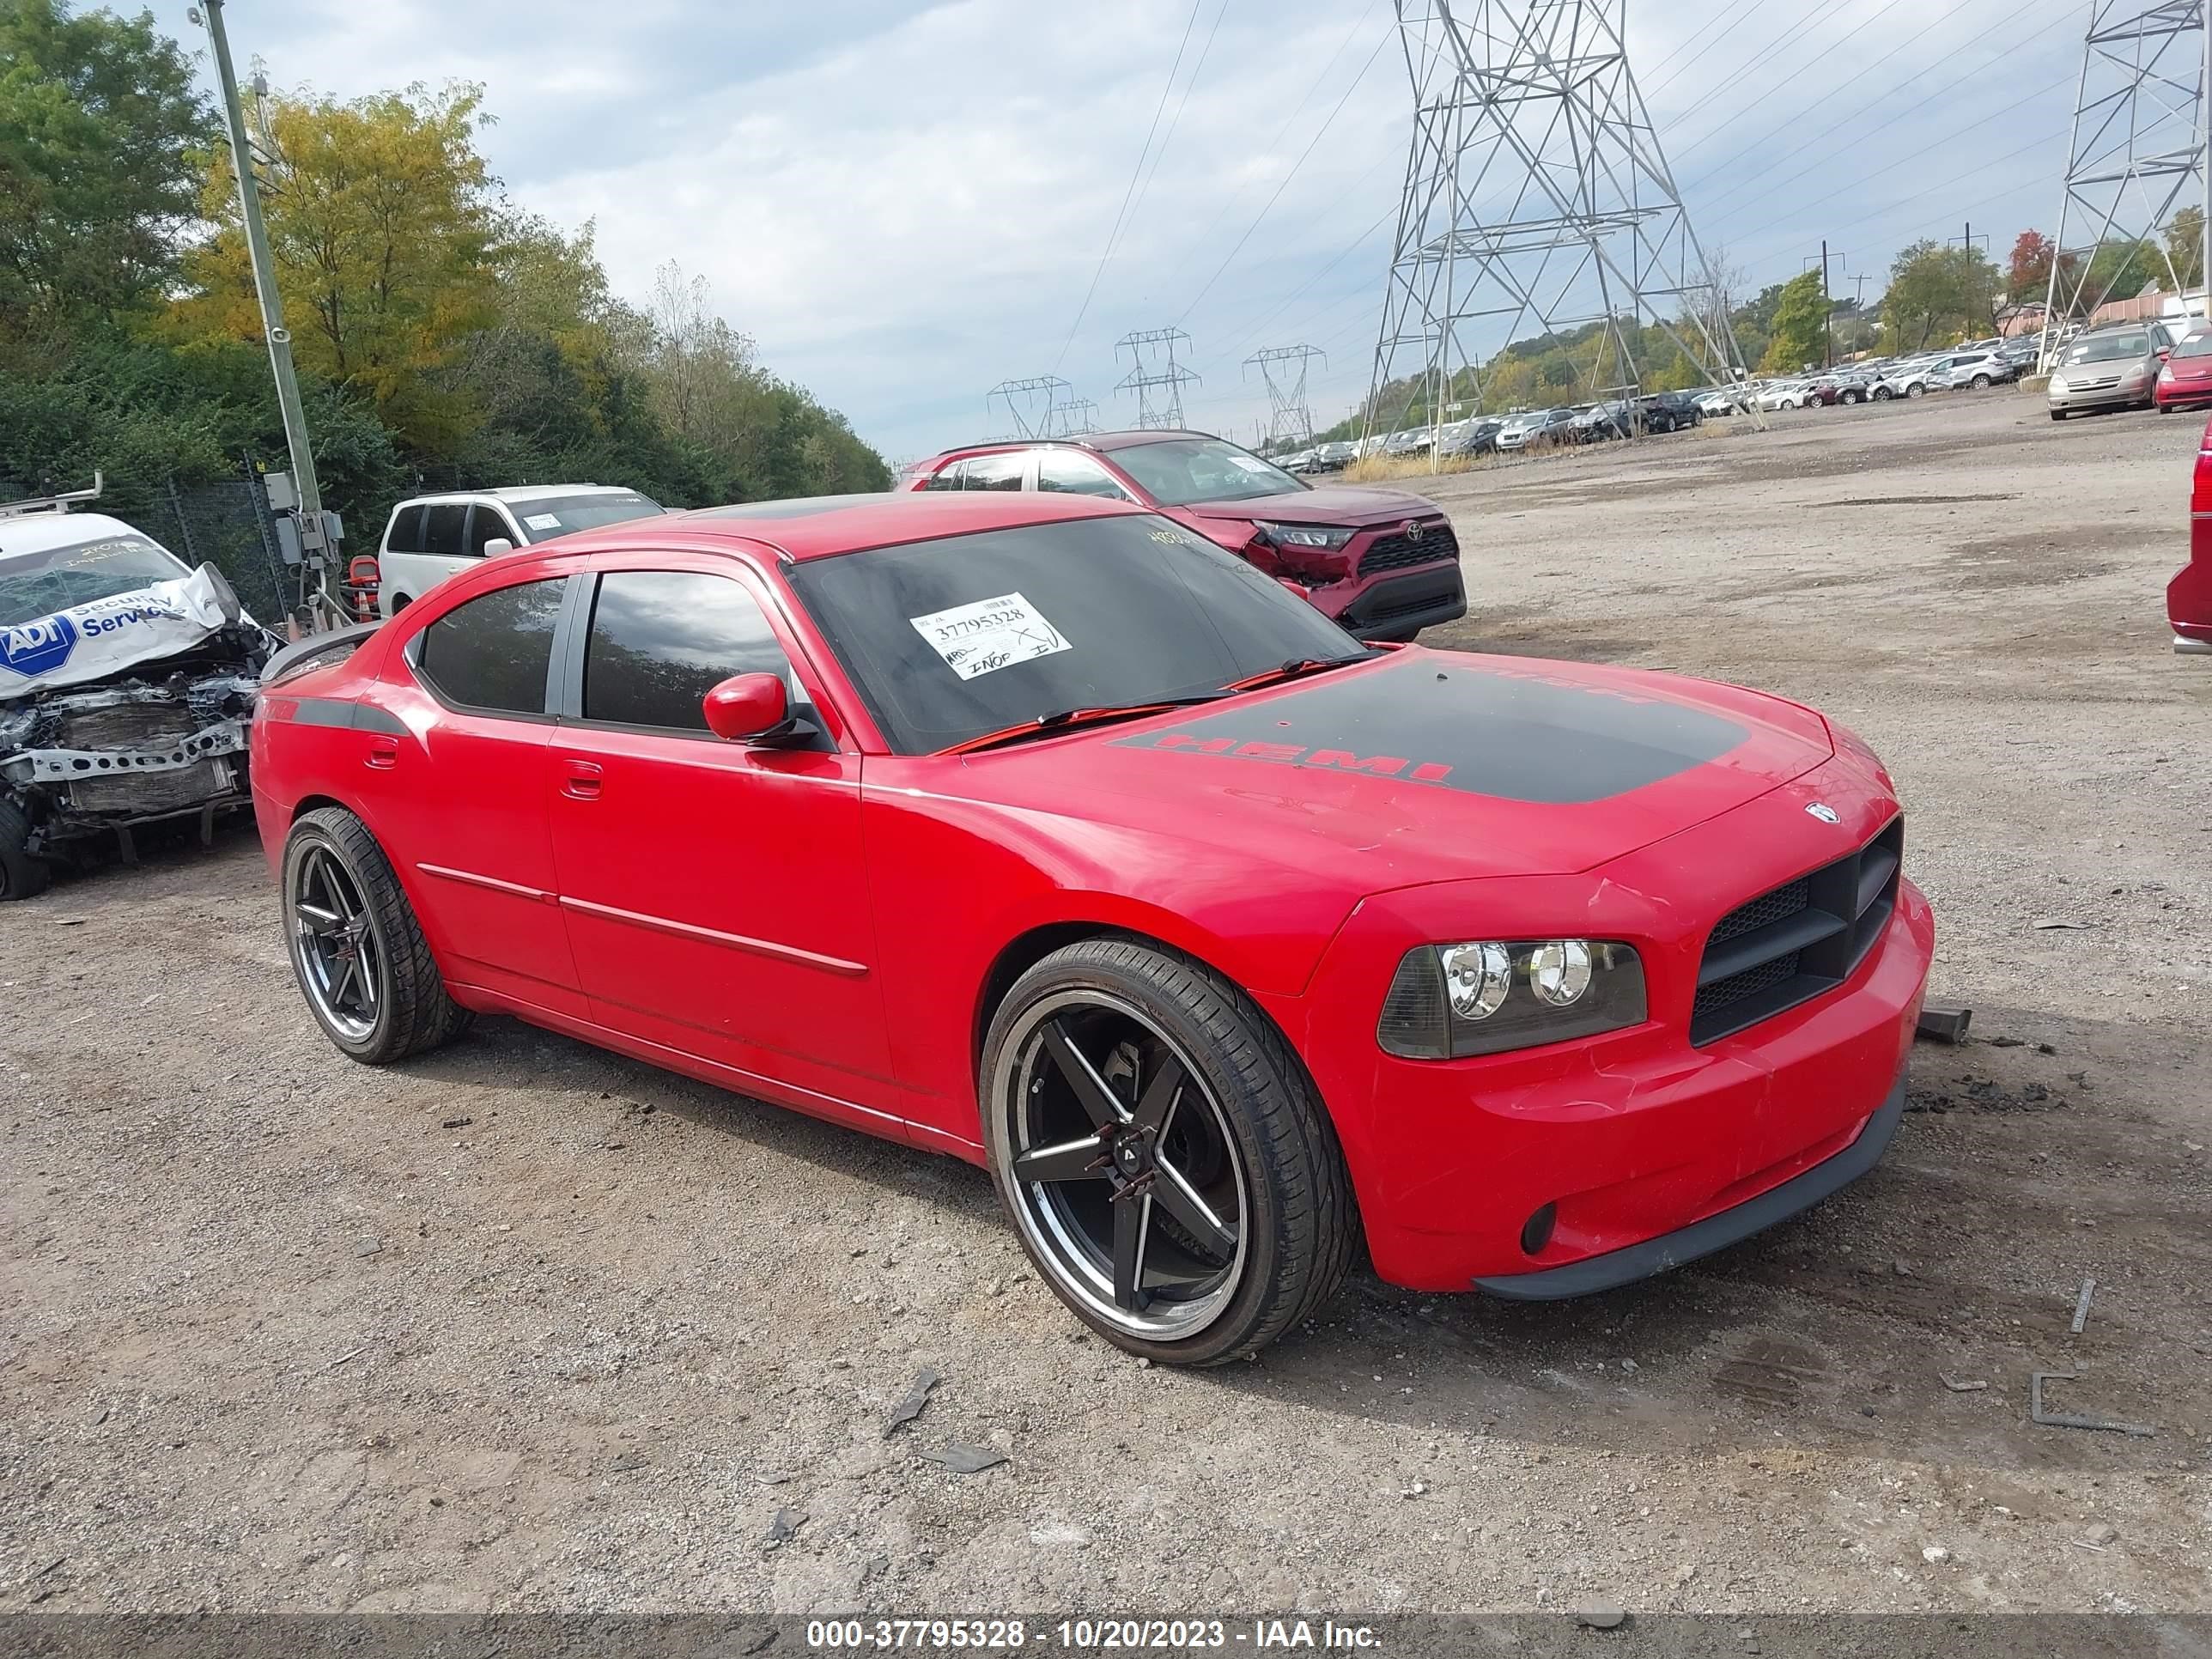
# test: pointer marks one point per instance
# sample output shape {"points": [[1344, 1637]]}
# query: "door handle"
{"points": [[383, 753], [580, 780]]}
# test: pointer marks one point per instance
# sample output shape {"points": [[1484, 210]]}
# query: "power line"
{"points": [[1160, 153], [1319, 133], [1711, 24], [1737, 112], [1114, 234], [1297, 109], [1758, 56]]}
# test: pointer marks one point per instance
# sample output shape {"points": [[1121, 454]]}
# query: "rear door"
{"points": [[457, 787], [714, 892]]}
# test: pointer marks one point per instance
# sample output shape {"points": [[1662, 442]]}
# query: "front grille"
{"points": [[1399, 551], [1788, 945], [125, 723]]}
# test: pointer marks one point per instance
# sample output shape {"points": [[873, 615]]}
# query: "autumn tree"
{"points": [[381, 220], [99, 117], [2027, 273]]}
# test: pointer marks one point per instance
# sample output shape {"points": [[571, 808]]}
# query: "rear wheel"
{"points": [[1916, 390], [1168, 1166], [1882, 394], [22, 873], [1981, 383], [356, 949]]}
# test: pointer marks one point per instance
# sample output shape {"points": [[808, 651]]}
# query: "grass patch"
{"points": [[1388, 468]]}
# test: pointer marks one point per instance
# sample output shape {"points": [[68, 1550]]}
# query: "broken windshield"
{"points": [[35, 585]]}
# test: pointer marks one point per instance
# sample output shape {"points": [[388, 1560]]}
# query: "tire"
{"points": [[1882, 394], [22, 874], [1120, 1013], [1981, 383], [1853, 397], [356, 946], [2058, 414], [1916, 390]]}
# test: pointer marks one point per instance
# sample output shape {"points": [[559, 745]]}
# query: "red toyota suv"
{"points": [[1383, 563]]}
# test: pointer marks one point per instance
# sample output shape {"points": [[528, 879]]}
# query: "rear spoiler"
{"points": [[318, 651]]}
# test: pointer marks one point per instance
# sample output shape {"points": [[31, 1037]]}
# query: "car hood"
{"points": [[1329, 504], [1424, 766]]}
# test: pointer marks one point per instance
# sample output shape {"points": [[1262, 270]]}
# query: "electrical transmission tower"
{"points": [[1030, 402], [1537, 207], [2139, 124], [1155, 375], [1066, 420], [1284, 369]]}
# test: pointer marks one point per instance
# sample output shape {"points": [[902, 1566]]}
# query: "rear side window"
{"points": [[661, 640], [405, 535], [994, 472], [445, 529], [493, 653]]}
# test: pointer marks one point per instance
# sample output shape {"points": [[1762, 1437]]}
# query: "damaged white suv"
{"points": [[126, 687]]}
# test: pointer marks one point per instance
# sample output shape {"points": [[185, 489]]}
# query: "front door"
{"points": [[714, 892]]}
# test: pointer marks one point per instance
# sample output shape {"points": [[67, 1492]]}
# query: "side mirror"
{"points": [[746, 705], [2164, 352], [497, 546]]}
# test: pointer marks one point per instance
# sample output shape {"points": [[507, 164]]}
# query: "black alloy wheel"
{"points": [[1167, 1166]]}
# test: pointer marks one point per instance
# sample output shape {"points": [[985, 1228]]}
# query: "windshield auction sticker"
{"points": [[989, 635]]}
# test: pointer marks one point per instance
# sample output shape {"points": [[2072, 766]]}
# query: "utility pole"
{"points": [[316, 535], [1827, 306], [1284, 368]]}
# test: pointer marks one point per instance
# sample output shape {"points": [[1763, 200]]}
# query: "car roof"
{"points": [[520, 493], [42, 533], [1101, 441], [823, 525]]}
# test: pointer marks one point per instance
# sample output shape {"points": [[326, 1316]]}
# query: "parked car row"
{"points": [[1570, 423], [1975, 367]]}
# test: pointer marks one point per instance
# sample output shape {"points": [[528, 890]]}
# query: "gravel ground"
{"points": [[524, 1325]]}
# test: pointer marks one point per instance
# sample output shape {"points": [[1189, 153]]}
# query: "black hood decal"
{"points": [[1512, 733]]}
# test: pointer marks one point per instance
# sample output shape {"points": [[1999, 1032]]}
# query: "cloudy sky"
{"points": [[907, 204]]}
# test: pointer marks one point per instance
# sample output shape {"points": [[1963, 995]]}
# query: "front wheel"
{"points": [[356, 949], [22, 873], [1916, 390], [2058, 414], [1882, 394], [1167, 1164]]}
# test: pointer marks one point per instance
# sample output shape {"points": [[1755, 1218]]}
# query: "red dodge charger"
{"points": [[1042, 831]]}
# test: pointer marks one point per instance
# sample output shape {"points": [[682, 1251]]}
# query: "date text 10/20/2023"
{"points": [[1089, 1635]]}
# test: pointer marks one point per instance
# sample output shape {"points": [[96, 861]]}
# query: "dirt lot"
{"points": [[525, 1325]]}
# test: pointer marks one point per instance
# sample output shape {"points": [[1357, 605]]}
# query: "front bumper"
{"points": [[1403, 603], [1636, 1136], [2122, 396], [1717, 1232]]}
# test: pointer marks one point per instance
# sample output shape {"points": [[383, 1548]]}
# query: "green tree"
{"points": [[99, 117], [2184, 246], [1938, 293], [1798, 325]]}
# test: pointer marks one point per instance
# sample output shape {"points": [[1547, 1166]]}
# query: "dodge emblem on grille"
{"points": [[1825, 813]]}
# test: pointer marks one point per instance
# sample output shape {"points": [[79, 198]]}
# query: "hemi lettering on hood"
{"points": [[1512, 734]]}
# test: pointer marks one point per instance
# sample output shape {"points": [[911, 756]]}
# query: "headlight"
{"points": [[1487, 996], [2058, 384], [2165, 371], [1305, 535]]}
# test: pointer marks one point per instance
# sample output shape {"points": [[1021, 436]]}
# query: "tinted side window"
{"points": [[493, 652], [661, 640], [405, 535], [1064, 472], [945, 477], [486, 525], [445, 529], [994, 472]]}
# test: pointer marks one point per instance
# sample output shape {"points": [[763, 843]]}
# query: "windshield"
{"points": [[2108, 348], [949, 640], [2197, 345], [544, 517], [35, 585], [1182, 470]]}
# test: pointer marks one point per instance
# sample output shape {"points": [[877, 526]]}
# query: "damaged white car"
{"points": [[126, 689]]}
